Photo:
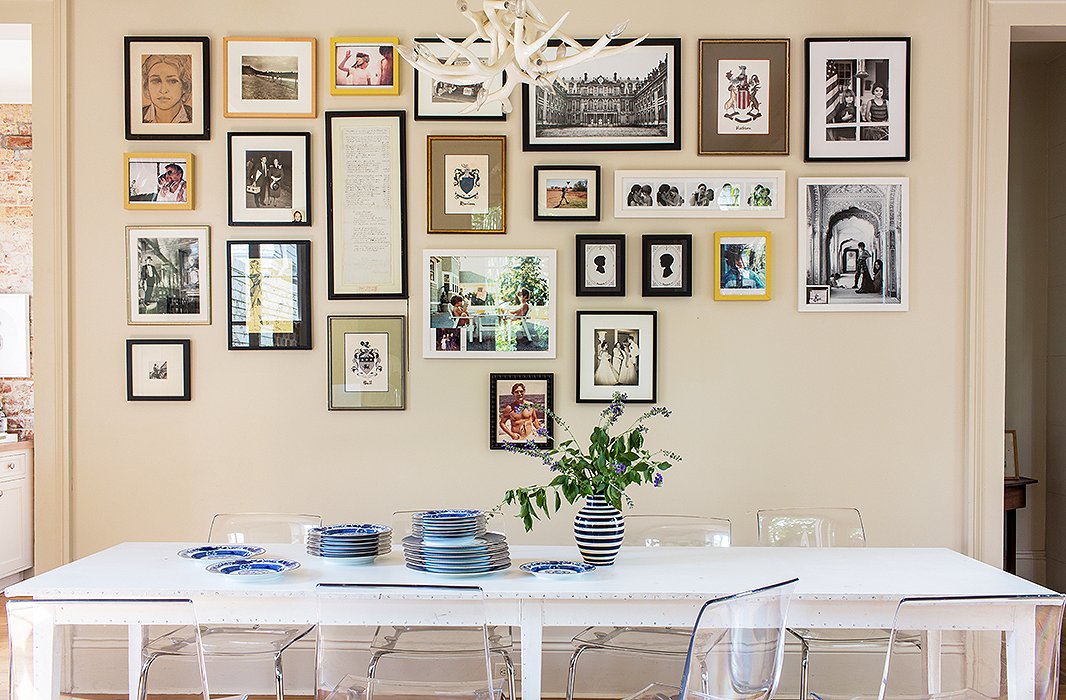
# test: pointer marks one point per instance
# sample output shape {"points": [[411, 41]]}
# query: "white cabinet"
{"points": [[16, 511]]}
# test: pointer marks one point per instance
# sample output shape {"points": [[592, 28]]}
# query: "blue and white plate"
{"points": [[221, 551], [254, 569], [454, 514], [557, 569], [489, 538], [351, 530], [485, 572]]}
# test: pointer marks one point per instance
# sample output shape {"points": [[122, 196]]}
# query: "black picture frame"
{"points": [[653, 271], [238, 190], [672, 139], [186, 379], [419, 84], [593, 191], [204, 113], [592, 323], [496, 410], [298, 337], [583, 241]]}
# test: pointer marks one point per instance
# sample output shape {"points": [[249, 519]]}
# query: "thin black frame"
{"points": [[495, 377], [646, 242], [654, 348], [404, 345], [582, 240], [807, 158], [673, 145], [186, 361], [401, 116], [307, 169], [303, 292], [538, 169], [419, 117], [205, 43]]}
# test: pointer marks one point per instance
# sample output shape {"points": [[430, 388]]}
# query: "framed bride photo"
{"points": [[616, 351]]}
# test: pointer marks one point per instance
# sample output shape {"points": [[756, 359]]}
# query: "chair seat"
{"points": [[225, 640], [964, 694], [672, 641], [849, 637], [434, 640]]}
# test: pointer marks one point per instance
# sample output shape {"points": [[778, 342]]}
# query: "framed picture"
{"points": [[467, 184], [744, 94], [636, 107], [566, 193], [616, 351], [517, 404], [699, 194], [158, 370], [853, 244], [489, 303], [1010, 455], [269, 295], [269, 76], [168, 275], [364, 66], [858, 99], [168, 87], [666, 265], [742, 267], [269, 179], [367, 362], [14, 336], [601, 265], [366, 205], [442, 101], [158, 180]]}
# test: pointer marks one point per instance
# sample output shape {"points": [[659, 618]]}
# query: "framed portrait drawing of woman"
{"points": [[168, 89]]}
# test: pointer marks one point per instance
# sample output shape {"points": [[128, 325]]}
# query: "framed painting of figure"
{"points": [[168, 87]]}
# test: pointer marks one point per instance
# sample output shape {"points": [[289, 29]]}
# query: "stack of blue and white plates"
{"points": [[448, 526], [350, 543], [454, 543]]}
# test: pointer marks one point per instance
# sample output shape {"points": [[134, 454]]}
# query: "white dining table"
{"points": [[660, 586]]}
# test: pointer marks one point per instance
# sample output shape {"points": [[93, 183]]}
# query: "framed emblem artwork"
{"points": [[367, 362], [467, 180]]}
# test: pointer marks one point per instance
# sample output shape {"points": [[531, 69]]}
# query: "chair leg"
{"points": [[279, 677], [508, 675], [142, 680], [805, 655], [571, 673], [705, 677]]}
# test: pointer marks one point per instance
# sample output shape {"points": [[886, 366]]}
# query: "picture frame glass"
{"points": [[467, 181], [744, 96], [566, 194], [517, 409], [168, 275], [167, 88], [15, 336], [270, 77], [269, 179], [441, 100], [367, 362], [616, 353], [269, 295]]}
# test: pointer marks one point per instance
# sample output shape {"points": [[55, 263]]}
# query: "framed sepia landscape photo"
{"points": [[467, 184], [269, 76], [269, 294], [566, 193], [699, 194], [161, 181], [167, 87], [269, 178], [168, 275], [367, 362]]}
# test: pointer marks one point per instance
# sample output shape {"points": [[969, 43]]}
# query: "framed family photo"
{"points": [[364, 66], [14, 336], [666, 265], [566, 193], [158, 370], [517, 414], [616, 351], [168, 275], [742, 266], [269, 296], [467, 184], [168, 87], [439, 100], [158, 181], [601, 265], [269, 76], [269, 179], [367, 362], [699, 194]]}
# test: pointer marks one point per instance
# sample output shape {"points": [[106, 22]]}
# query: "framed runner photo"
{"points": [[367, 362], [519, 406], [269, 179], [616, 351], [566, 193]]}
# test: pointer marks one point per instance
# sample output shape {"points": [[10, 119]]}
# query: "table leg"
{"points": [[137, 639], [47, 662], [532, 635], [1010, 542], [931, 650], [1021, 655]]}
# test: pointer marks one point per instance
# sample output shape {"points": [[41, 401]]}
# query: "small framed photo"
{"points": [[443, 101], [616, 351], [817, 294], [742, 268], [601, 265], [158, 180], [858, 99], [269, 179], [367, 362], [566, 193], [14, 336], [743, 97], [168, 275], [364, 66], [168, 87], [699, 194], [269, 295], [667, 265], [269, 76], [517, 414], [467, 184], [1010, 455], [158, 370]]}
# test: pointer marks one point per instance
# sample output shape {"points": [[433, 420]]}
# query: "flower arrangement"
{"points": [[611, 463]]}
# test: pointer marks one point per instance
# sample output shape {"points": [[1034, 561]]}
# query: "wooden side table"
{"points": [[1013, 499]]}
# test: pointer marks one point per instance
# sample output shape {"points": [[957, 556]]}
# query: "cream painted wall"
{"points": [[772, 407]]}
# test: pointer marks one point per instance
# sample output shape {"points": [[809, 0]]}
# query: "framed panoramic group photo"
{"points": [[168, 87], [699, 194]]}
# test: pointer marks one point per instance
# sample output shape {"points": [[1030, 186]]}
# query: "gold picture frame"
{"points": [[256, 75], [382, 79], [472, 198], [751, 266], [160, 181]]}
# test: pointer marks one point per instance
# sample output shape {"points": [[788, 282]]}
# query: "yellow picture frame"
{"points": [[368, 42], [747, 267], [143, 174]]}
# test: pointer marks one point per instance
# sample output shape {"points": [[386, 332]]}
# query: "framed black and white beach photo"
{"points": [[566, 193], [158, 370], [630, 101], [517, 404], [853, 237], [666, 265], [601, 265], [367, 362], [616, 351], [269, 295], [168, 275], [168, 87], [858, 99], [439, 100], [269, 179], [269, 76]]}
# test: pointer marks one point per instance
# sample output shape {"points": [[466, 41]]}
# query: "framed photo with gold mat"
{"points": [[467, 184]]}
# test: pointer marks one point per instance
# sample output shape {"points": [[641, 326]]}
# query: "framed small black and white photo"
{"points": [[438, 100], [158, 370], [168, 87], [566, 193], [269, 295], [616, 351], [168, 275], [367, 362], [269, 76], [518, 409], [269, 179], [601, 265], [667, 265]]}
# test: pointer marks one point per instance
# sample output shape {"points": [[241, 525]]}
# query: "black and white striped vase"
{"points": [[598, 529]]}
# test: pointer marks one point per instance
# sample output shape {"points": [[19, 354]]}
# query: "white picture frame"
{"points": [[269, 77], [14, 336], [168, 275], [700, 194]]}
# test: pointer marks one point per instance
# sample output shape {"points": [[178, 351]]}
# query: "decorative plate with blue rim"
{"points": [[351, 530], [447, 514], [557, 569], [253, 569], [221, 551]]}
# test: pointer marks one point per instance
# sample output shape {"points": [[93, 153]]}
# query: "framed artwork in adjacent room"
{"points": [[168, 275], [601, 265], [269, 179], [269, 295], [666, 265], [364, 66], [616, 351], [14, 336], [269, 76], [566, 193], [159, 181], [467, 184], [440, 100], [168, 87], [741, 266], [1010, 455], [518, 409], [158, 370], [699, 194], [367, 362]]}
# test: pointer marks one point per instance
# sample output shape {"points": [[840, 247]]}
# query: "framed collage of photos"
{"points": [[158, 181], [367, 362], [601, 265], [168, 87], [269, 76], [168, 275], [699, 194], [364, 66], [438, 100], [666, 265], [467, 184], [566, 193], [742, 266], [517, 404], [269, 295], [269, 179], [158, 370], [616, 351]]}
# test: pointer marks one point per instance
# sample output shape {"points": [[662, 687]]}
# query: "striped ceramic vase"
{"points": [[598, 529]]}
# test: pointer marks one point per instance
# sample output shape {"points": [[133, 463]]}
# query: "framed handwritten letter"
{"points": [[366, 202]]}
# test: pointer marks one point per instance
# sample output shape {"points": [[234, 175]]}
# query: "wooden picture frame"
{"points": [[1011, 469], [367, 368], [173, 76], [455, 163], [269, 178], [666, 264], [158, 181], [269, 294], [742, 266], [617, 351], [379, 70], [596, 277], [168, 275], [517, 403], [158, 369], [566, 193], [436, 100], [269, 77]]}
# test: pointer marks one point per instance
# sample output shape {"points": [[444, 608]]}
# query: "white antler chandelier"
{"points": [[518, 37]]}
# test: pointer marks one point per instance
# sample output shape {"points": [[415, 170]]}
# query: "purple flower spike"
{"points": [[657, 480]]}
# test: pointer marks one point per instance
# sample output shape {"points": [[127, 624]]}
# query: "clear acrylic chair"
{"points": [[262, 528], [348, 668], [650, 531], [735, 648]]}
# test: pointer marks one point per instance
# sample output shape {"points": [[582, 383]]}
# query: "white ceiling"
{"points": [[15, 58]]}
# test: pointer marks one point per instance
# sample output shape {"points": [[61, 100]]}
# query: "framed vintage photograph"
{"points": [[168, 87], [517, 404], [14, 336], [489, 303], [744, 93], [443, 101], [699, 194], [627, 102], [269, 296], [858, 99], [853, 244], [158, 370], [364, 66], [566, 193], [1010, 455], [616, 351], [666, 265], [168, 275], [367, 362], [467, 184], [158, 180], [601, 265], [742, 266], [269, 76], [366, 205], [269, 178]]}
